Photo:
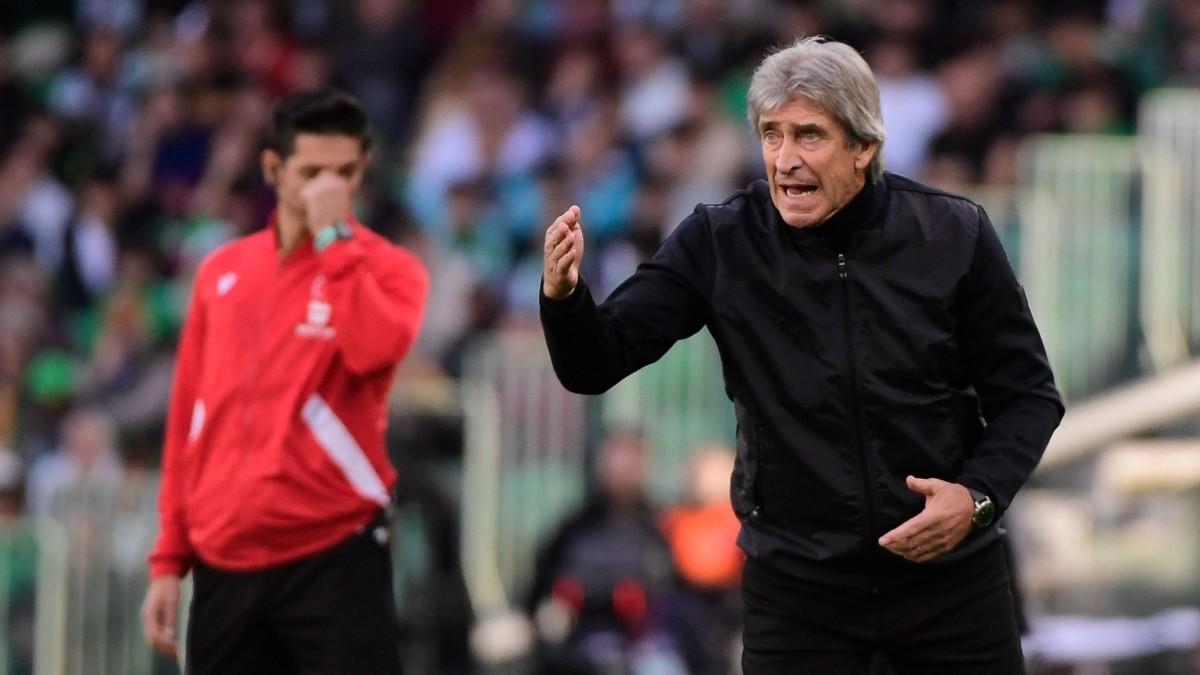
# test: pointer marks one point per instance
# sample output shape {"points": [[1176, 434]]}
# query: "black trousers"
{"points": [[953, 619], [329, 614]]}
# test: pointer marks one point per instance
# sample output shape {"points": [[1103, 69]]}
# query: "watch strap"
{"points": [[985, 508], [331, 233]]}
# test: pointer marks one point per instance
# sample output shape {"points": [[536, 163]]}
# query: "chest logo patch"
{"points": [[225, 282], [318, 312], [316, 318]]}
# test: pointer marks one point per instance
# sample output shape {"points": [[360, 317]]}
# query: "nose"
{"points": [[788, 159]]}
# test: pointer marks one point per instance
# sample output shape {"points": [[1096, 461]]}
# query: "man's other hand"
{"points": [[941, 526], [563, 253], [160, 611], [326, 200]]}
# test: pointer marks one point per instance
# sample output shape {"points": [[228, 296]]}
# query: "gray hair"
{"points": [[830, 75]]}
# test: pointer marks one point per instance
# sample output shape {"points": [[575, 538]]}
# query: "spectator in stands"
{"points": [[22, 320], [382, 55], [481, 125], [868, 326], [602, 576], [86, 460], [18, 574], [128, 370], [654, 82], [93, 93], [914, 108], [12, 488], [90, 249]]}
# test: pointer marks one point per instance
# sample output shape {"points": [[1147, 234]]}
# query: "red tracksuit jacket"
{"points": [[274, 447]]}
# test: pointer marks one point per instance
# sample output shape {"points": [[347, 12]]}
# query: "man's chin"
{"points": [[801, 220]]}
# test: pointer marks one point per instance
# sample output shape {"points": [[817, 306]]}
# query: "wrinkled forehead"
{"points": [[798, 111]]}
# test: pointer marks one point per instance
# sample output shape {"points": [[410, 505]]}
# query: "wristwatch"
{"points": [[985, 509], [339, 230]]}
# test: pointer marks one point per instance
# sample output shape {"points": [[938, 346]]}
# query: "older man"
{"points": [[891, 388]]}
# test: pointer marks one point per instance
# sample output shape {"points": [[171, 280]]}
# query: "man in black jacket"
{"points": [[891, 388]]}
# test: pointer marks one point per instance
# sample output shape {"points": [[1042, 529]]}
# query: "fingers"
{"points": [[908, 535], [565, 245], [566, 262], [924, 486], [557, 233], [938, 528], [161, 639], [563, 237], [918, 539], [159, 615]]}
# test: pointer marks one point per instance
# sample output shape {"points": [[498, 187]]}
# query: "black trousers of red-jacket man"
{"points": [[328, 614]]}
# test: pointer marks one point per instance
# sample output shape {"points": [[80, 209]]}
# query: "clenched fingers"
{"points": [[158, 622]]}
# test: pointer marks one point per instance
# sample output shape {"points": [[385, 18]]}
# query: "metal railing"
{"points": [[1078, 253], [72, 581], [525, 440], [1169, 145]]}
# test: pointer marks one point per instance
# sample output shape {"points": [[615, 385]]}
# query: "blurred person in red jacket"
{"points": [[275, 475]]}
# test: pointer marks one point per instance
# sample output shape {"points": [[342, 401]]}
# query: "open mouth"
{"points": [[798, 190]]}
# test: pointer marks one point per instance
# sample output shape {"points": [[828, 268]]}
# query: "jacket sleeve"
{"points": [[380, 299], [1007, 363], [594, 347], [173, 552]]}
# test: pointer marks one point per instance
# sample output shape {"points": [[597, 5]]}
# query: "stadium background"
{"points": [[129, 132]]}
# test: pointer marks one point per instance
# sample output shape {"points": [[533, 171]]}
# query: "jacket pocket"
{"points": [[809, 486]]}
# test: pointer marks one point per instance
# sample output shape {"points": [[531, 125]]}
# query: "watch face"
{"points": [[985, 511]]}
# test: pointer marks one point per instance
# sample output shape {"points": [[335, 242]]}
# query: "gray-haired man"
{"points": [[891, 388]]}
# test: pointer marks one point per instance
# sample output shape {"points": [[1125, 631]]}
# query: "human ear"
{"points": [[866, 153], [271, 162]]}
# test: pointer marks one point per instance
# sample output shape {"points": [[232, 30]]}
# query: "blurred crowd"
{"points": [[129, 141], [130, 132]]}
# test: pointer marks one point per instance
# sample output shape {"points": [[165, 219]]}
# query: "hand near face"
{"points": [[563, 253], [939, 528], [326, 200]]}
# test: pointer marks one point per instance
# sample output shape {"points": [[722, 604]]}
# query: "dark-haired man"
{"points": [[275, 475]]}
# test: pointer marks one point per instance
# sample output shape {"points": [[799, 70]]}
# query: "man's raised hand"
{"points": [[563, 253]]}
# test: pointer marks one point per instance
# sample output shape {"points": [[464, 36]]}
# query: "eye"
{"points": [[770, 136], [346, 172], [811, 136], [308, 173]]}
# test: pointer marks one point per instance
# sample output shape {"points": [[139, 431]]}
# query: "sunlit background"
{"points": [[129, 133]]}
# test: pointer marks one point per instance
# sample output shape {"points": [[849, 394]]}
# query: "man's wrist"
{"points": [[558, 298], [567, 303], [331, 233], [984, 509]]}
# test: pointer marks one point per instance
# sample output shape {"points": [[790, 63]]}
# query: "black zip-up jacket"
{"points": [[891, 340]]}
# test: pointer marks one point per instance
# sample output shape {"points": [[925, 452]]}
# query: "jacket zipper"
{"points": [[856, 421]]}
